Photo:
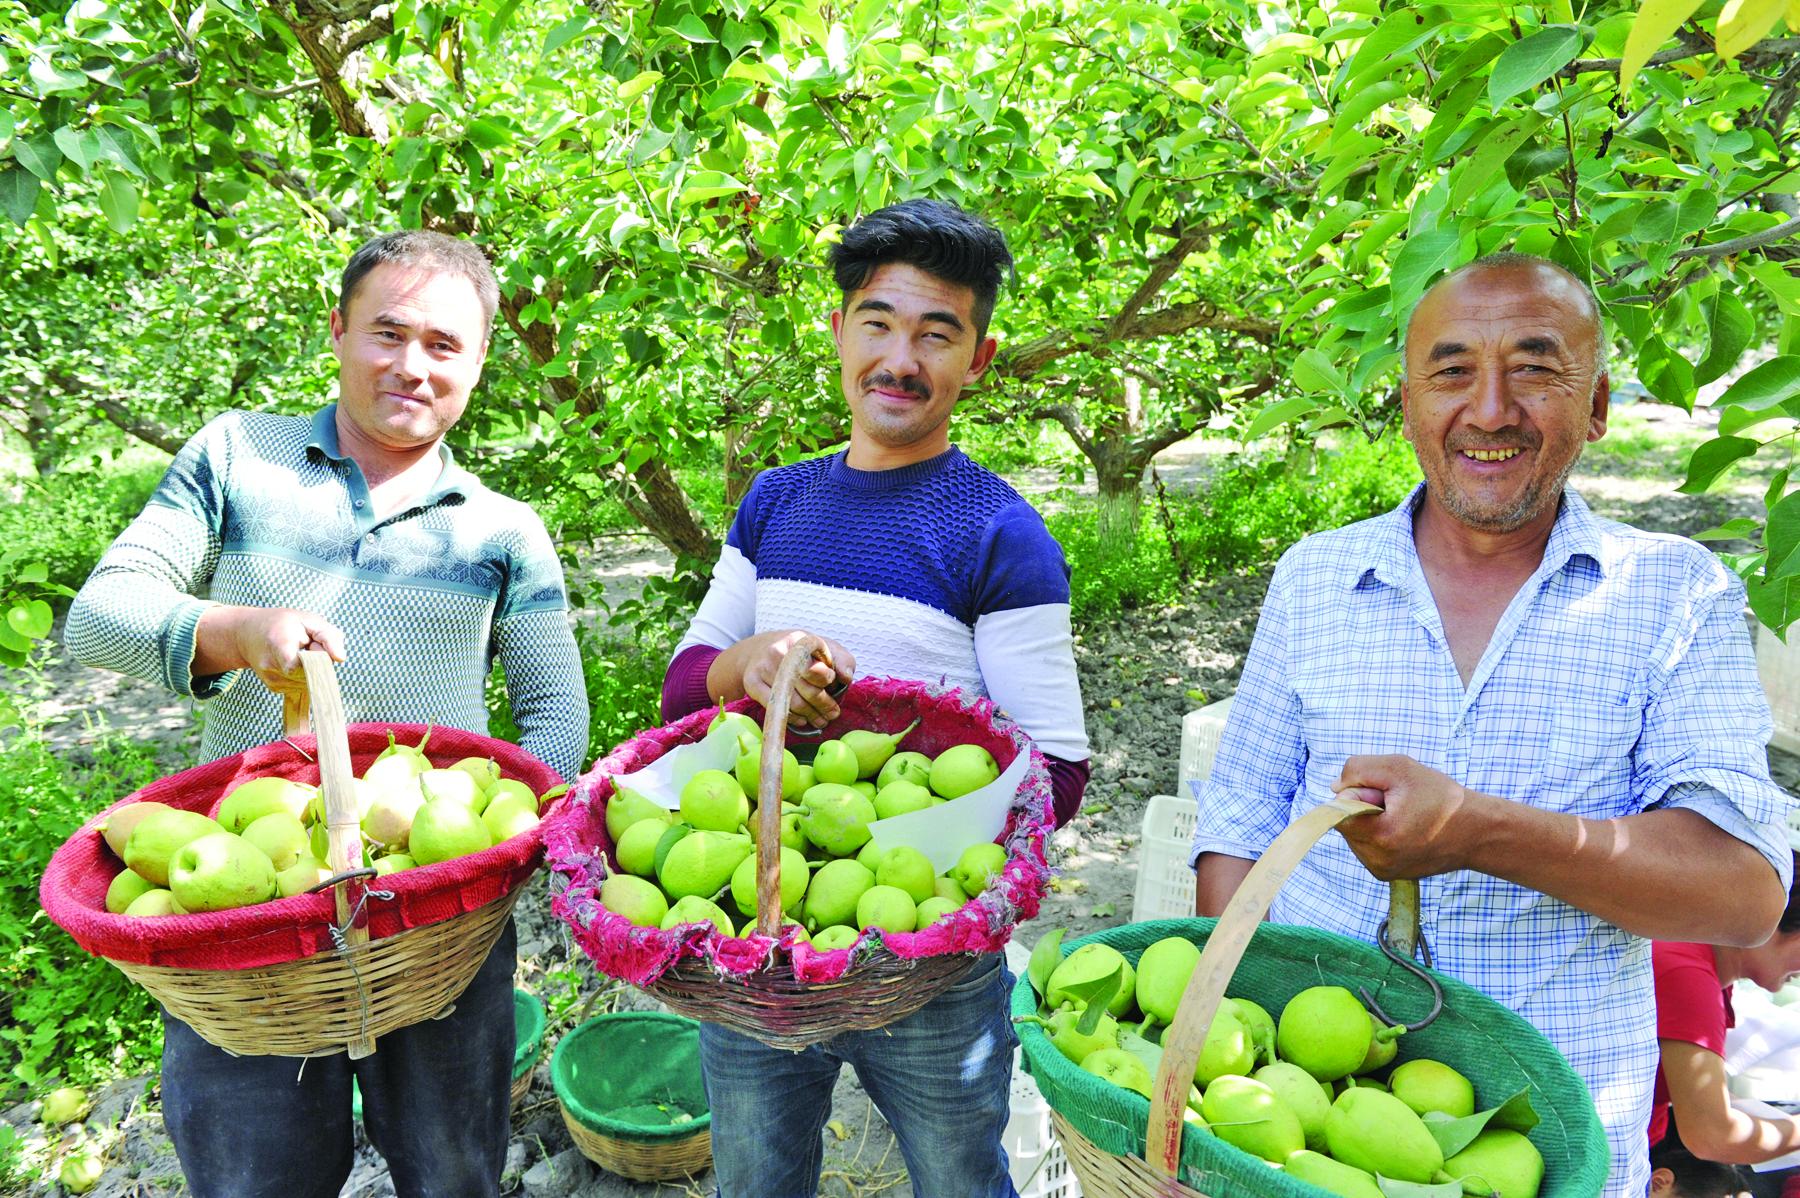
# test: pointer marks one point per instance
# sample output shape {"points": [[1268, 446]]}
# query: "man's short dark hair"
{"points": [[1695, 1178], [433, 252], [938, 238]]}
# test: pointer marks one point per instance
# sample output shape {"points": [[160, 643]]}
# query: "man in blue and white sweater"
{"points": [[912, 562]]}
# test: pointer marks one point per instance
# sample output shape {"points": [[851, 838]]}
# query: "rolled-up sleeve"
{"points": [[139, 611], [1246, 800]]}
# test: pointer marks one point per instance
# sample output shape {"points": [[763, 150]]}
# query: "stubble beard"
{"points": [[1488, 518]]}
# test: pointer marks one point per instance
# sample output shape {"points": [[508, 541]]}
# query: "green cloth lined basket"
{"points": [[1496, 1049], [632, 1075], [528, 1031]]}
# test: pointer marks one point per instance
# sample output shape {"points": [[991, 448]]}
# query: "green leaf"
{"points": [[1731, 330], [694, 29], [1419, 261], [565, 33], [1772, 382], [1741, 529], [489, 134], [1314, 372], [1453, 1134], [38, 155], [1332, 222], [78, 146], [1734, 420], [18, 193], [1667, 375], [1475, 172], [10, 638], [1531, 60], [638, 84], [1712, 459], [1773, 601], [1277, 414], [32, 620], [1517, 1113], [706, 185], [1095, 993], [1147, 1051], [622, 226], [1777, 488], [119, 202], [118, 146], [51, 78], [1655, 24], [1046, 955], [33, 572]]}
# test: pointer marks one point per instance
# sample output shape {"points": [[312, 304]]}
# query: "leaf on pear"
{"points": [[1517, 1113], [1453, 1134], [1148, 1052], [1096, 994], [1046, 955]]}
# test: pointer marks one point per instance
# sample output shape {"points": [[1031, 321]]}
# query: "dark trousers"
{"points": [[435, 1104]]}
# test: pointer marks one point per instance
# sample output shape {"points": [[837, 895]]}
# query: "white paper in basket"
{"points": [[661, 781], [944, 831]]}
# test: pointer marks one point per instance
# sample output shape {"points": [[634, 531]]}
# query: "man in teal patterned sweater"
{"points": [[355, 533]]}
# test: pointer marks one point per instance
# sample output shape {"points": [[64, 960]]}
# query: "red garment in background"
{"points": [[1692, 1007]]}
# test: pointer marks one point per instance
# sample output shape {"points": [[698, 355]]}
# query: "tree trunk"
{"points": [[1120, 479]]}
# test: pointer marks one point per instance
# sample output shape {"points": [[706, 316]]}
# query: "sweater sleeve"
{"points": [[139, 611], [536, 647]]}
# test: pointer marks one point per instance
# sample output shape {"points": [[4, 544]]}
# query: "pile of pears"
{"points": [[687, 867], [1314, 1092], [267, 839]]}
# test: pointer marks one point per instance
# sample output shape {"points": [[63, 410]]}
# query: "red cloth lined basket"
{"points": [[758, 976], [73, 891]]}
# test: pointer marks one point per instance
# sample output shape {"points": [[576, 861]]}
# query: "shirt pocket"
{"points": [[1588, 755]]}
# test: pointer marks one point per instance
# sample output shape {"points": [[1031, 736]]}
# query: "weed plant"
{"points": [[67, 520]]}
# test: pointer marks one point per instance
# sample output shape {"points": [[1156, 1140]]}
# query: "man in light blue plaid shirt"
{"points": [[1559, 714]]}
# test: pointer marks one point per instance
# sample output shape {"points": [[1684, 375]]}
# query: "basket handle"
{"points": [[343, 829], [799, 657], [1218, 961]]}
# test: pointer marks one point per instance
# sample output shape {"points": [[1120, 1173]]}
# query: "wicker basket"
{"points": [[642, 1162], [426, 948], [772, 1003], [607, 1056]]}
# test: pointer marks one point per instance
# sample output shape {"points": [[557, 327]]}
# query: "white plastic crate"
{"points": [[1034, 1158], [1165, 884], [1778, 666], [1200, 732]]}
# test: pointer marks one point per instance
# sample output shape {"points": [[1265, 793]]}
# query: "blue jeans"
{"points": [[942, 1078], [435, 1103]]}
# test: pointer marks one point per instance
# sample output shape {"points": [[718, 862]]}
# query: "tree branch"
{"points": [[1032, 356], [149, 431], [1161, 271], [269, 167], [1693, 46], [1737, 245]]}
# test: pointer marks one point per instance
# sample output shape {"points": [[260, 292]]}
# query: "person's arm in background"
{"points": [[1710, 1124], [537, 650], [1025, 646], [722, 657], [1261, 762], [1707, 809]]}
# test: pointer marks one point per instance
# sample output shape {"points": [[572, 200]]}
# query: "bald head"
{"points": [[1561, 290]]}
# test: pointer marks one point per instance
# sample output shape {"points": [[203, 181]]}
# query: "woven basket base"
{"points": [[779, 1010], [312, 1007], [521, 1084], [1104, 1175], [636, 1160]]}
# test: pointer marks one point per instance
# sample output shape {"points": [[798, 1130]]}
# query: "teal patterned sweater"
{"points": [[266, 511]]}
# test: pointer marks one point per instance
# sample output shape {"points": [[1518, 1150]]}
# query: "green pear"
{"points": [[737, 721], [1304, 1095], [1226, 1049], [694, 909], [870, 855], [701, 863], [804, 780], [636, 850], [836, 936], [1261, 1027], [453, 784], [363, 794], [1245, 1112], [1346, 1181], [125, 889], [905, 767], [396, 773], [791, 835], [485, 771], [81, 1172], [901, 798], [1383, 1046], [67, 1104], [1427, 1085], [158, 836], [865, 788], [389, 819], [1498, 1161], [887, 907], [445, 829], [833, 895], [627, 807], [749, 773], [281, 837], [509, 818], [873, 749], [946, 888], [219, 872], [934, 909], [1326, 1031], [512, 788], [1067, 1037], [910, 870], [1086, 964], [838, 821], [635, 899], [962, 768], [1162, 977], [153, 902], [117, 828], [392, 863], [1373, 1130], [258, 797], [712, 801], [978, 867], [793, 876], [303, 875], [1121, 1068], [835, 761]]}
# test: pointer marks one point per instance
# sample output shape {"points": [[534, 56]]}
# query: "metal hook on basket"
{"points": [[838, 687], [1407, 963]]}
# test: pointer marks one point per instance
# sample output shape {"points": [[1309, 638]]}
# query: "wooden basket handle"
{"points": [[343, 829], [1218, 961], [800, 656]]}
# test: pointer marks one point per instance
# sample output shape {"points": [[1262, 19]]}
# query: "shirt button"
{"points": [[359, 503], [369, 540]]}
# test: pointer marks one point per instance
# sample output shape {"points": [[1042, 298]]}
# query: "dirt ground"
{"points": [[1140, 673]]}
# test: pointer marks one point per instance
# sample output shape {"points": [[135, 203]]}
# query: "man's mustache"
{"points": [[888, 382]]}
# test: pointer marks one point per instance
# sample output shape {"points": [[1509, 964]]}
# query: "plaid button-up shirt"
{"points": [[1620, 679]]}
